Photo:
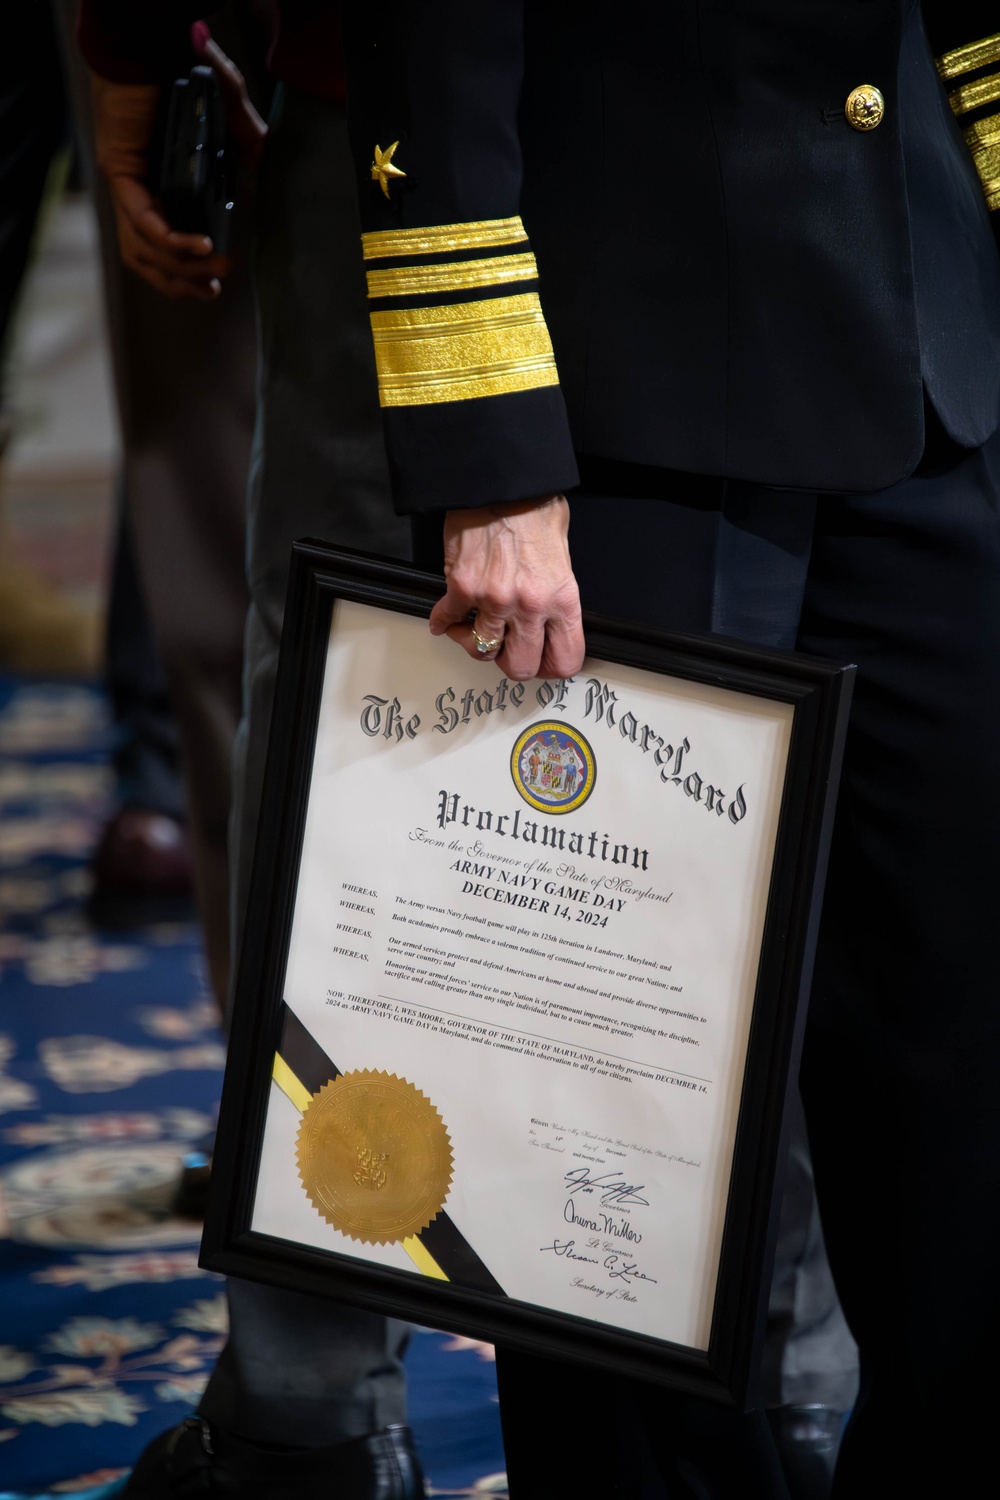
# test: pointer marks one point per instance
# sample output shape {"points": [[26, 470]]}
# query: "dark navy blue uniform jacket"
{"points": [[648, 231]]}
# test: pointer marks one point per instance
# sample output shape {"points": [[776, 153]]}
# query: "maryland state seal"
{"points": [[374, 1157], [553, 767]]}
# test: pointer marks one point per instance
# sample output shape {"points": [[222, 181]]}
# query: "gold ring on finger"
{"points": [[485, 647]]}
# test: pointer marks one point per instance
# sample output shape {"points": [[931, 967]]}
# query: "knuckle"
{"points": [[533, 599], [459, 592], [496, 602]]}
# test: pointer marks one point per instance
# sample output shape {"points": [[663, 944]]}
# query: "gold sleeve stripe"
{"points": [[967, 59], [289, 1083], [436, 239], [454, 276], [983, 139], [974, 95], [981, 136], [461, 351]]}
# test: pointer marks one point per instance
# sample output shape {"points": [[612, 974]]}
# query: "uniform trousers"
{"points": [[903, 1034], [147, 754]]}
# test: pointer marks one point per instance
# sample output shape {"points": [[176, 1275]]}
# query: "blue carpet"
{"points": [[110, 1066]]}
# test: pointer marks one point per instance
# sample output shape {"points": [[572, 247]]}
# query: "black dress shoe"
{"points": [[143, 871], [192, 1460], [808, 1440]]}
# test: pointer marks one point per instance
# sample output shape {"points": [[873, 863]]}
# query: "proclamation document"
{"points": [[522, 962]]}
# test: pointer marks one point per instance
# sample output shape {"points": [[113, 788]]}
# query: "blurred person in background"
{"points": [[184, 383], [143, 867], [308, 1398]]}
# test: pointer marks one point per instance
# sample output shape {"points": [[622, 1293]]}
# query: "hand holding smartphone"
{"points": [[196, 174]]}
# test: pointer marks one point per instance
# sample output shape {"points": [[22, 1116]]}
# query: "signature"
{"points": [[610, 1186], [620, 1268], [607, 1224], [566, 1247]]}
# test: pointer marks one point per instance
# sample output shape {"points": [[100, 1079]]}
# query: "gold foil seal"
{"points": [[374, 1157]]}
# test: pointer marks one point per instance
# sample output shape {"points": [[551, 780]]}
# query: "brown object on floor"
{"points": [[143, 870]]}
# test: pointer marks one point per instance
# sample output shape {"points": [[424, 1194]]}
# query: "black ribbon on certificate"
{"points": [[301, 1069]]}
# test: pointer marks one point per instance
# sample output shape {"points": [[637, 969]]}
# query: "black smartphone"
{"points": [[196, 173]]}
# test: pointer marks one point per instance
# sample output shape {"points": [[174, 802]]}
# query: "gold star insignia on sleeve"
{"points": [[382, 167]]}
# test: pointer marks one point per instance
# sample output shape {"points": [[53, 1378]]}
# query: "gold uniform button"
{"points": [[865, 107]]}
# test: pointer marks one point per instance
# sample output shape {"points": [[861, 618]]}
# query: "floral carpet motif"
{"points": [[110, 1069]]}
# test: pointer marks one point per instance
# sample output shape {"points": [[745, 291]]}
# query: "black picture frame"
{"points": [[819, 694]]}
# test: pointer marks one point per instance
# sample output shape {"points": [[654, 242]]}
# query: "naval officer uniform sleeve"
{"points": [[470, 394], [965, 39]]}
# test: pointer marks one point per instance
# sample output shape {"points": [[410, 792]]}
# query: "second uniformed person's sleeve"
{"points": [[965, 38], [467, 379]]}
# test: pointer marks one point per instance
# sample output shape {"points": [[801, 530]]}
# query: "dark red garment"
{"points": [[151, 43], [308, 50]]}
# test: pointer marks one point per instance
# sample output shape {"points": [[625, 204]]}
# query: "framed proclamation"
{"points": [[523, 978]]}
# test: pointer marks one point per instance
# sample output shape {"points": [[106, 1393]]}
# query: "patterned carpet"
{"points": [[110, 1066]]}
